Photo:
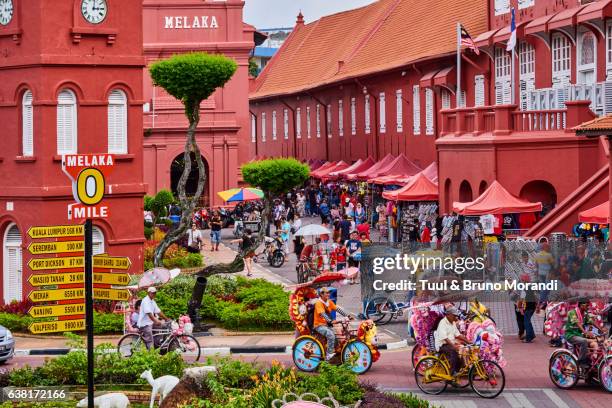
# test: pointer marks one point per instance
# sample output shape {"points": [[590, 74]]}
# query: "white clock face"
{"points": [[6, 11], [94, 11]]}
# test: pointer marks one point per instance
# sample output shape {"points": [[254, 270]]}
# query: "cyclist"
{"points": [[575, 331], [322, 322], [148, 317], [449, 339]]}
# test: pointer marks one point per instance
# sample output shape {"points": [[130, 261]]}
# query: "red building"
{"points": [[194, 25], [382, 79], [71, 83]]}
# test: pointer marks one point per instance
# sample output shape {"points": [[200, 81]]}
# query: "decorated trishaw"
{"points": [[354, 346], [564, 368], [482, 359]]}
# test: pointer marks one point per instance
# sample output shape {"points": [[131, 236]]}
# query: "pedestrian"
{"points": [[345, 229], [354, 249], [363, 228], [150, 316], [246, 242], [360, 214], [135, 315], [544, 261], [285, 231], [413, 234], [194, 240], [341, 255], [324, 211], [301, 203], [425, 235], [215, 231]]}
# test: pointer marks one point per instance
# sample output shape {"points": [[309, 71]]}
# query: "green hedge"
{"points": [[104, 323]]}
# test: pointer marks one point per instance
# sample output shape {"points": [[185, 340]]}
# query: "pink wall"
{"points": [[224, 131], [47, 58]]}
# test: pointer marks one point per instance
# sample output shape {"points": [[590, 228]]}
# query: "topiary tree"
{"points": [[159, 204], [191, 78]]}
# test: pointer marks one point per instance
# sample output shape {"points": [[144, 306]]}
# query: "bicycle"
{"points": [[383, 306], [169, 340], [305, 271], [273, 252], [487, 379]]}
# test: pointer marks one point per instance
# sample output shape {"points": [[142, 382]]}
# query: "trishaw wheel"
{"points": [[487, 379], [379, 309], [358, 355], [605, 373], [563, 370], [129, 343], [307, 353], [429, 375], [418, 351]]}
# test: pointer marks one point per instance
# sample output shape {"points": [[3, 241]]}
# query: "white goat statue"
{"points": [[162, 385], [111, 400]]}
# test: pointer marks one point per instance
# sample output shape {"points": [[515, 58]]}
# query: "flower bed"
{"points": [[175, 257]]}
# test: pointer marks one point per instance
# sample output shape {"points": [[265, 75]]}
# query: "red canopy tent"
{"points": [[391, 180], [496, 200], [401, 166], [323, 167], [341, 165], [596, 215], [420, 188], [315, 164], [367, 173], [358, 166], [431, 172]]}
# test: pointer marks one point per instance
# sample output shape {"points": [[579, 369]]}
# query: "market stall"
{"points": [[323, 175], [401, 166], [363, 175], [322, 168], [359, 166], [596, 215]]}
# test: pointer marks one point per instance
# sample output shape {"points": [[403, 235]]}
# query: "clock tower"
{"points": [[72, 79]]}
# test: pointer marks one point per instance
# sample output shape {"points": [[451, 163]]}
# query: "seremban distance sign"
{"points": [[67, 278], [57, 310], [57, 247]]}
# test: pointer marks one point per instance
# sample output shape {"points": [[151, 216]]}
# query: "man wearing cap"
{"points": [[322, 321], [448, 338], [148, 317]]}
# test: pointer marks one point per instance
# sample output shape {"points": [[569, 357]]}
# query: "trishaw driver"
{"points": [[148, 317], [322, 321], [449, 339], [576, 333]]}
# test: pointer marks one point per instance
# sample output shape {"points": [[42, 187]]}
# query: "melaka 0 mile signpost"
{"points": [[88, 173]]}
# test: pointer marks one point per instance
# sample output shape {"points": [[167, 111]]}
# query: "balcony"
{"points": [[599, 94], [506, 119]]}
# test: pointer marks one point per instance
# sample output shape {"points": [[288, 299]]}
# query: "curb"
{"points": [[206, 351]]}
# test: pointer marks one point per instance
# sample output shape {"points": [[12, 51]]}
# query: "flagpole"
{"points": [[458, 96], [512, 79]]}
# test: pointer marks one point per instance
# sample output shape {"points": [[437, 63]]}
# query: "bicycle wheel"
{"points": [[429, 375], [379, 309], [187, 346], [358, 356], [130, 343], [487, 379], [563, 369], [308, 353], [605, 373], [418, 351], [278, 259]]}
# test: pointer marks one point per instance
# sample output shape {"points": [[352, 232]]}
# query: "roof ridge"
{"points": [[373, 31]]}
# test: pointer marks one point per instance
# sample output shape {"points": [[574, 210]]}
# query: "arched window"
{"points": [[117, 122], [27, 123], [97, 241], [12, 276], [465, 192], [66, 122]]}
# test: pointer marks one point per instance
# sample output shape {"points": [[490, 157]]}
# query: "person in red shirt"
{"points": [[341, 255], [363, 229], [426, 235]]}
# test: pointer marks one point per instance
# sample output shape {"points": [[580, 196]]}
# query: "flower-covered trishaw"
{"points": [[356, 347], [565, 368], [482, 359]]}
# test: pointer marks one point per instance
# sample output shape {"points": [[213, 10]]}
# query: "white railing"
{"points": [[555, 98]]}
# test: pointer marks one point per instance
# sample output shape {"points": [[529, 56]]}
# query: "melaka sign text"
{"points": [[186, 22]]}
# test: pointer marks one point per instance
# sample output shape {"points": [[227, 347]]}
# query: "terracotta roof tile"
{"points": [[601, 123], [383, 35]]}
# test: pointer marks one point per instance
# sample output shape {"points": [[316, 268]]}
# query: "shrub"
{"points": [[173, 297], [15, 322], [103, 322], [148, 232], [148, 203], [339, 380], [17, 307]]}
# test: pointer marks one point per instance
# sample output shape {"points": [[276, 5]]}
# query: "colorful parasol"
{"points": [[241, 194], [327, 278]]}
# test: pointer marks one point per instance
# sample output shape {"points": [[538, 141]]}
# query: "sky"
{"points": [[282, 13]]}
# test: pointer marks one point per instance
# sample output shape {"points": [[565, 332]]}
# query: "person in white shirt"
{"points": [[449, 339], [194, 239], [148, 317]]}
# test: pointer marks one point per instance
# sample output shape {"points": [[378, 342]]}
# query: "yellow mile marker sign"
{"points": [[78, 293], [104, 262], [37, 248], [66, 278], [57, 326], [57, 310], [56, 231]]}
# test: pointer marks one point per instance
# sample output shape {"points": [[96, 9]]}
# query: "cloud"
{"points": [[282, 13]]}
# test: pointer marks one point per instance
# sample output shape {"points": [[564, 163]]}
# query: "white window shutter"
{"points": [[117, 123], [298, 123], [383, 112], [353, 117], [609, 50], [253, 129], [429, 112], [27, 131], [273, 125], [318, 120], [308, 125], [66, 123], [286, 124], [328, 118], [13, 266], [479, 90], [340, 117], [97, 241], [446, 99], [367, 114], [416, 110], [399, 108], [263, 126]]}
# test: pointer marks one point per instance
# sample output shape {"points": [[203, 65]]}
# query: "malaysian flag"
{"points": [[466, 40]]}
